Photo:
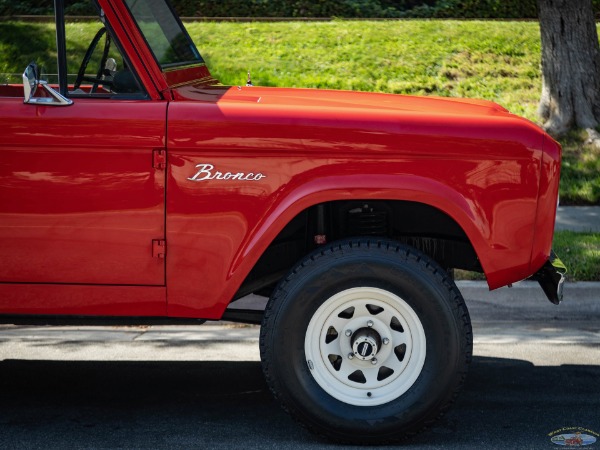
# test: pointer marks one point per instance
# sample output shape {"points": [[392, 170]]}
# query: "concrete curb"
{"points": [[584, 296], [585, 288], [581, 290], [526, 302]]}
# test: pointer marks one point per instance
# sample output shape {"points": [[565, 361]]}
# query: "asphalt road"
{"points": [[536, 369]]}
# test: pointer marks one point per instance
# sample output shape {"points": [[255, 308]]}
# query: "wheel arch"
{"points": [[443, 212]]}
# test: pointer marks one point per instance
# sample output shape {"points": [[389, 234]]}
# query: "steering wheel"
{"points": [[86, 59]]}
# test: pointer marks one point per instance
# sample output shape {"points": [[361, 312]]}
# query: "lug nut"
{"points": [[386, 341], [370, 323], [374, 361], [350, 356], [348, 333]]}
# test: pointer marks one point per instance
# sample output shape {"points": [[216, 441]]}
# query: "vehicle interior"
{"points": [[95, 68]]}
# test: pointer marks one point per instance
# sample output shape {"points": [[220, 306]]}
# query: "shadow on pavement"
{"points": [[65, 404]]}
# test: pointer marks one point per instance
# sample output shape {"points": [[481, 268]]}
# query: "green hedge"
{"points": [[480, 9], [44, 7], [285, 8], [483, 9], [360, 8]]}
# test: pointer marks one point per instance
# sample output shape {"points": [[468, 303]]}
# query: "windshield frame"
{"points": [[61, 47], [190, 45]]}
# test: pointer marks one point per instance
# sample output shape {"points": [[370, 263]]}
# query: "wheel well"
{"points": [[422, 226]]}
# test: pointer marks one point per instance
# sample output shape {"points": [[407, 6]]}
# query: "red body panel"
{"points": [[81, 201], [82, 300], [547, 203]]}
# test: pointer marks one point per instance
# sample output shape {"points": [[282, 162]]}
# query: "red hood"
{"points": [[321, 98]]}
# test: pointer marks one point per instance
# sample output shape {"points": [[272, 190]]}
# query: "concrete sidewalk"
{"points": [[526, 301], [578, 218]]}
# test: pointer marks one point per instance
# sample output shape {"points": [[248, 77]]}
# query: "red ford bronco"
{"points": [[136, 187]]}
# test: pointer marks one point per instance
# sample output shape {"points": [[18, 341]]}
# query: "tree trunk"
{"points": [[570, 66]]}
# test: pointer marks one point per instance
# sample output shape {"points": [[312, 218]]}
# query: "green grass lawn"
{"points": [[494, 60], [581, 254], [498, 61], [580, 172]]}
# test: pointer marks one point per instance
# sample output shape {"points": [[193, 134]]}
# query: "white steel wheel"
{"points": [[365, 346]]}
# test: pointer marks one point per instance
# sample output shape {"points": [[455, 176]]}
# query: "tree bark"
{"points": [[570, 66]]}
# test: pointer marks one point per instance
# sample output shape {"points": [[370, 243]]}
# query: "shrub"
{"points": [[480, 9], [286, 8], [468, 9]]}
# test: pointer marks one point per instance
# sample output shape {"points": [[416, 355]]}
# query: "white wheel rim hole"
{"points": [[365, 346]]}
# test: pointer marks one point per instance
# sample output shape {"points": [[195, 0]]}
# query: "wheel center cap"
{"points": [[365, 349], [365, 344]]}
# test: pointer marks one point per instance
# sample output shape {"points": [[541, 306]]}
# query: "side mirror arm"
{"points": [[31, 84]]}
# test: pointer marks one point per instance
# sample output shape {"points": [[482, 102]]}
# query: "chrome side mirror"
{"points": [[31, 82]]}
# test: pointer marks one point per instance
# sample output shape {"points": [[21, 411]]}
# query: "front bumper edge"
{"points": [[551, 278]]}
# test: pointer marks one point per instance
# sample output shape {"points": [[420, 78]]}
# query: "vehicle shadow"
{"points": [[214, 404]]}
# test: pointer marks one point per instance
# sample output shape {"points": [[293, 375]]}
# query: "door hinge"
{"points": [[159, 159], [159, 248]]}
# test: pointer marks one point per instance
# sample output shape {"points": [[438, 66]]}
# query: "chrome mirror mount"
{"points": [[31, 82]]}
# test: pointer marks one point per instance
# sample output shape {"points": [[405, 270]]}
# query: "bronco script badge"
{"points": [[208, 172]]}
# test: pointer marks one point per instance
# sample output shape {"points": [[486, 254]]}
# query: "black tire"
{"points": [[364, 267]]}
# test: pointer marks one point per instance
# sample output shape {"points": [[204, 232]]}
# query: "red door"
{"points": [[80, 199]]}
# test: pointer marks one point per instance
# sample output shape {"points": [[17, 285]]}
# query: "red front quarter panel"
{"points": [[546, 211], [482, 170]]}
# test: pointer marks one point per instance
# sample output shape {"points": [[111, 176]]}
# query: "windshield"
{"points": [[171, 45]]}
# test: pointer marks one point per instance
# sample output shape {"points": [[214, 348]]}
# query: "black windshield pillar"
{"points": [[61, 46]]}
